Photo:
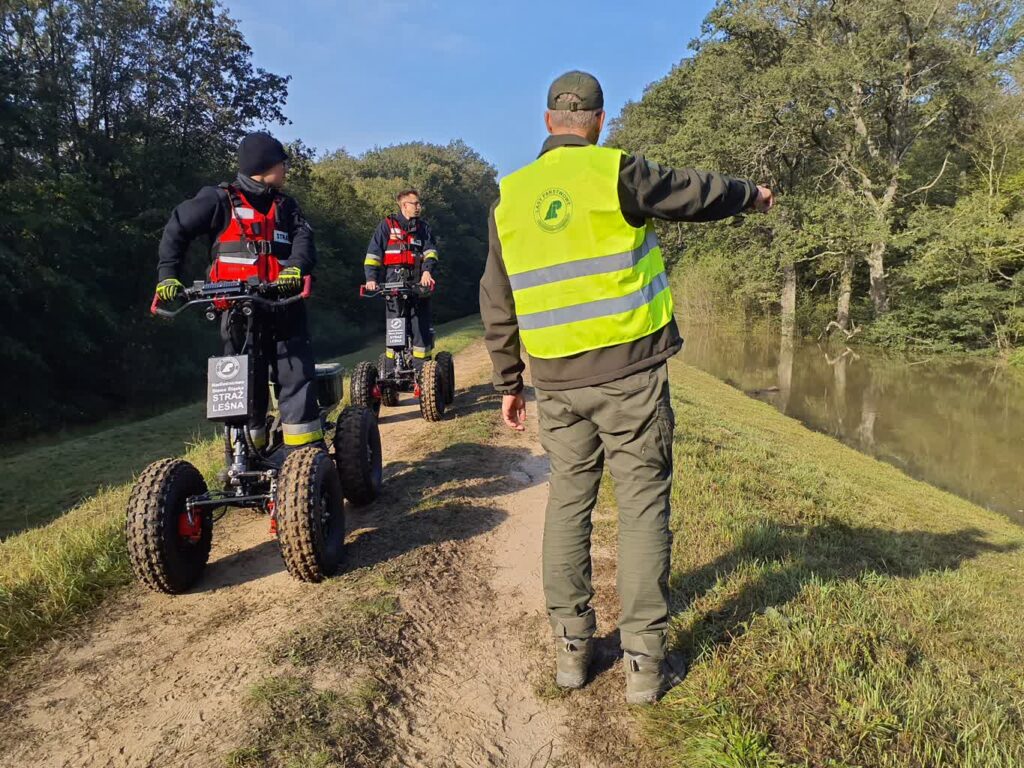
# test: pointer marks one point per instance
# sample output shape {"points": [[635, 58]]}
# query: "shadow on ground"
{"points": [[475, 399], [246, 565], [787, 558], [444, 495]]}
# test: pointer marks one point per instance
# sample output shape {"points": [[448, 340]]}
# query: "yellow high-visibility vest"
{"points": [[582, 276]]}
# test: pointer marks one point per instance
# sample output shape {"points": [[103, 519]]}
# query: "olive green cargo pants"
{"points": [[629, 424]]}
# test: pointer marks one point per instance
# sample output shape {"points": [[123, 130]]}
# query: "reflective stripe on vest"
{"points": [[582, 277]]}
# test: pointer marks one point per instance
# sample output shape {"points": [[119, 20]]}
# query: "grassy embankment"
{"points": [[835, 612], [52, 574]]}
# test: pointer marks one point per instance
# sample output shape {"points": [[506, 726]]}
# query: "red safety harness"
{"points": [[250, 245], [403, 248]]}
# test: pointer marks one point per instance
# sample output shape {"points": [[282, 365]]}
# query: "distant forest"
{"points": [[893, 132], [112, 112]]}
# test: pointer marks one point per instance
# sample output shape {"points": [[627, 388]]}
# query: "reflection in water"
{"points": [[958, 424]]}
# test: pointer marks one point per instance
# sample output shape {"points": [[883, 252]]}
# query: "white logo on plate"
{"points": [[226, 369]]}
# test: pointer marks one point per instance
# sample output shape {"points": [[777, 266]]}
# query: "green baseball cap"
{"points": [[580, 84]]}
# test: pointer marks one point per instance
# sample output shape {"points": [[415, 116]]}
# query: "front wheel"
{"points": [[357, 452], [311, 515], [168, 545], [432, 391], [365, 391]]}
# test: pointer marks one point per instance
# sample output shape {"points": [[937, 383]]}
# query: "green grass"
{"points": [[297, 718], [835, 612], [51, 575]]}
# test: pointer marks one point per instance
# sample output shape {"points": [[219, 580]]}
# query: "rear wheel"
{"points": [[388, 395], [364, 387], [447, 365], [311, 515], [357, 452], [432, 391], [168, 546]]}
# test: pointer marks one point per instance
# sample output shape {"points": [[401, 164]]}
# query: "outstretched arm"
{"points": [[651, 191]]}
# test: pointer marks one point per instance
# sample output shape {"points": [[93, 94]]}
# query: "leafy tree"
{"points": [[859, 114]]}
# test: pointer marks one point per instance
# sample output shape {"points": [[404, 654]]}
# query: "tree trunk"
{"points": [[876, 267], [788, 300], [845, 292]]}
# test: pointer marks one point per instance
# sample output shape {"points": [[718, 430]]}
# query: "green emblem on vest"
{"points": [[553, 210]]}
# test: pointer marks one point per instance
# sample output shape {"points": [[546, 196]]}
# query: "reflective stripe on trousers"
{"points": [[303, 434]]}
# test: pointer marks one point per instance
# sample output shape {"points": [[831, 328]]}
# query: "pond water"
{"points": [[954, 423]]}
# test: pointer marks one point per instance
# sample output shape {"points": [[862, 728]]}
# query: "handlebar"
{"points": [[396, 289], [229, 291]]}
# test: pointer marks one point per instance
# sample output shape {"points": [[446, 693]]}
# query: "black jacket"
{"points": [[207, 215]]}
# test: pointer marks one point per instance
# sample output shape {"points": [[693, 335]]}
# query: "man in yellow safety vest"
{"points": [[575, 276]]}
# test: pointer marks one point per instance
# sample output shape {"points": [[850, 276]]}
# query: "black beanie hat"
{"points": [[258, 153]]}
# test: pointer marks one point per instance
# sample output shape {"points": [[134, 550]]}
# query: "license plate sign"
{"points": [[395, 336], [227, 390]]}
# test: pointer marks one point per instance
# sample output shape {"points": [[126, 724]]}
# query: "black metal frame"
{"points": [[251, 476], [403, 377]]}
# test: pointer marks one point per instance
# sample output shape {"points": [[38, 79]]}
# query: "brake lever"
{"points": [[156, 309]]}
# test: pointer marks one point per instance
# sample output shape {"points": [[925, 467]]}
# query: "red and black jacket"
{"points": [[212, 213], [400, 243]]}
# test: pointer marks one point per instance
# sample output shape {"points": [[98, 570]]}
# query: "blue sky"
{"points": [[379, 72]]}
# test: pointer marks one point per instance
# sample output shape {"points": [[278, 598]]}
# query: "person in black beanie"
{"points": [[256, 230]]}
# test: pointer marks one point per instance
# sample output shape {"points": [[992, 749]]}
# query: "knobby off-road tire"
{"points": [[357, 452], [364, 381], [388, 395], [161, 558], [310, 515], [447, 365], [432, 391]]}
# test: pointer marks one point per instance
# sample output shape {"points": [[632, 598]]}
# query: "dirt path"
{"points": [[156, 681], [476, 702]]}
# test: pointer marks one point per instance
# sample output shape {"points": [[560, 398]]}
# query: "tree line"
{"points": [[112, 112], [893, 132]]}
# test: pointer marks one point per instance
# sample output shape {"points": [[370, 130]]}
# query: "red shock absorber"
{"points": [[190, 526], [272, 508]]}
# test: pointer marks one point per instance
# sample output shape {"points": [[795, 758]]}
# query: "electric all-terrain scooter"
{"points": [[170, 516], [376, 385]]}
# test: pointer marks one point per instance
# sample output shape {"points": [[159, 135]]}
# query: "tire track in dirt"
{"points": [[154, 680], [473, 698]]}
